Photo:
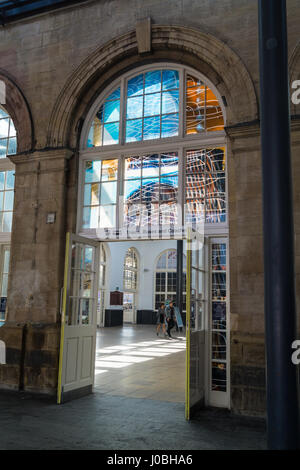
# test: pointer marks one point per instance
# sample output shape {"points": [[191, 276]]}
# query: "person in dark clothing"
{"points": [[161, 317], [170, 317]]}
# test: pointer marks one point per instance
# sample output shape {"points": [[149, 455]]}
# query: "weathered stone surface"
{"points": [[54, 67]]}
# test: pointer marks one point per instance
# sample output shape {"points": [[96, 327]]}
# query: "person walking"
{"points": [[161, 319], [170, 317]]}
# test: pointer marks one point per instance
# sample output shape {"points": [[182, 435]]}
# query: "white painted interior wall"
{"points": [[148, 253]]}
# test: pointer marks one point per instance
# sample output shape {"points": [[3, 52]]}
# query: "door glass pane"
{"points": [[218, 317], [86, 311], [81, 288], [218, 345], [219, 377]]}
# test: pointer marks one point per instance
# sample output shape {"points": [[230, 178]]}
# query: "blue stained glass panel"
{"points": [[170, 102], [152, 104], [132, 191], [134, 107], [107, 216], [12, 146], [169, 164], [115, 95], [2, 179], [9, 200], [170, 79], [135, 85], [169, 125], [109, 193], [168, 188], [90, 139], [151, 128], [153, 81], [90, 217], [112, 111], [12, 129], [7, 221], [151, 165], [3, 113], [133, 167], [3, 147], [134, 130], [150, 190], [4, 125], [92, 171], [111, 133]]}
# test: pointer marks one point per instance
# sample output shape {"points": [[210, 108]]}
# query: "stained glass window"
{"points": [[130, 270], [165, 278], [218, 317], [157, 104], [7, 182], [100, 194], [205, 186], [106, 124], [203, 111], [150, 109], [150, 191], [8, 139], [152, 106]]}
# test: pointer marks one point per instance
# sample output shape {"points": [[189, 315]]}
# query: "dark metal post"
{"points": [[280, 310], [179, 275]]}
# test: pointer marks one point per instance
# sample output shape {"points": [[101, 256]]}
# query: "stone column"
{"points": [[246, 271], [246, 263], [32, 325]]}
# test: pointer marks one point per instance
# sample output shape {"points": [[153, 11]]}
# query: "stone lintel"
{"points": [[39, 155], [143, 35]]}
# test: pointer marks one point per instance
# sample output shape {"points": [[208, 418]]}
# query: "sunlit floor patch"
{"points": [[100, 371], [145, 352], [127, 358], [112, 365], [162, 350], [115, 348]]}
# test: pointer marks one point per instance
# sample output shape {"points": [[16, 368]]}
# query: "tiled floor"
{"points": [[131, 361]]}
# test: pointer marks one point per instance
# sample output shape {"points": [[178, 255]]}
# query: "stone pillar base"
{"points": [[32, 353]]}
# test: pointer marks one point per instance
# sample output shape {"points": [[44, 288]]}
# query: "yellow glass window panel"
{"points": [[214, 116], [109, 170]]}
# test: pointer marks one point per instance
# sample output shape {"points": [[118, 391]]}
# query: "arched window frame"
{"points": [[133, 269], [7, 166], [167, 270], [181, 144], [5, 236]]}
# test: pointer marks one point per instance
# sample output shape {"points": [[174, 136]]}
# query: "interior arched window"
{"points": [[149, 106], [8, 135], [165, 278], [8, 146], [154, 143], [103, 262], [130, 270]]}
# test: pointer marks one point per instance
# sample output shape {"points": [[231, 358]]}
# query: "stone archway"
{"points": [[183, 45], [17, 107]]}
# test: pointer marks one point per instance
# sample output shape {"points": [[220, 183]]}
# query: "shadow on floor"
{"points": [[117, 423]]}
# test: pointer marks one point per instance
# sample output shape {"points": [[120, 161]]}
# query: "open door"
{"points": [[195, 327], [78, 318]]}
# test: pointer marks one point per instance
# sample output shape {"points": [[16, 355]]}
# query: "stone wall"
{"points": [[56, 65]]}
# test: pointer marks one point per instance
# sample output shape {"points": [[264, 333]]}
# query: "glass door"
{"points": [[78, 318], [195, 330]]}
